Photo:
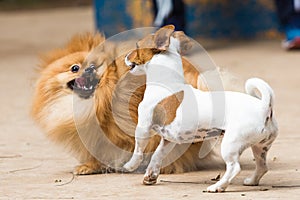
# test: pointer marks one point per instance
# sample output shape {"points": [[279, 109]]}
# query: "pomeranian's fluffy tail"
{"points": [[219, 79], [266, 93]]}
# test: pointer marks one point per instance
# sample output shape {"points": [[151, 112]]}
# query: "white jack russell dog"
{"points": [[182, 114]]}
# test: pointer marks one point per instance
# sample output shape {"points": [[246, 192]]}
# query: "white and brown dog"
{"points": [[182, 114]]}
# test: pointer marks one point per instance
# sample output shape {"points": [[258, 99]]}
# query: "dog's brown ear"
{"points": [[185, 42], [162, 37], [146, 42]]}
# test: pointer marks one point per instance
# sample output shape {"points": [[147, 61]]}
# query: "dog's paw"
{"points": [[128, 167], [87, 169], [150, 179], [133, 163], [250, 182], [215, 188], [84, 170]]}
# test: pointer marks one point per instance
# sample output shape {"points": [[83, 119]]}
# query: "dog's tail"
{"points": [[266, 94]]}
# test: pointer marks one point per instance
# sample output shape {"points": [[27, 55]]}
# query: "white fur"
{"points": [[164, 8], [246, 119], [297, 5], [49, 113]]}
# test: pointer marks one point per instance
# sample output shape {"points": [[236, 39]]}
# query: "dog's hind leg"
{"points": [[231, 152], [154, 166], [260, 153]]}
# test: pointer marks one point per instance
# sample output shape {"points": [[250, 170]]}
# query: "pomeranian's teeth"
{"points": [[91, 87], [85, 88]]}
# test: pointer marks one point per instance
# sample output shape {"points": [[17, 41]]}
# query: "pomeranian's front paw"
{"points": [[87, 169], [84, 170]]}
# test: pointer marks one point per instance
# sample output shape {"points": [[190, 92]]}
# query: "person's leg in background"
{"points": [[169, 12], [289, 17]]}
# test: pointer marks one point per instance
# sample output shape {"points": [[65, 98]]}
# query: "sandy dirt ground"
{"points": [[31, 167]]}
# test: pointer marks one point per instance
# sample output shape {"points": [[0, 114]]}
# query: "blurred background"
{"points": [[17, 5], [204, 18]]}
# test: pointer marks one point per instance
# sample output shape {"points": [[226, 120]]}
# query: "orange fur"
{"points": [[52, 105]]}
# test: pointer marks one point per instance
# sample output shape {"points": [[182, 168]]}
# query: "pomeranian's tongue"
{"points": [[80, 82]]}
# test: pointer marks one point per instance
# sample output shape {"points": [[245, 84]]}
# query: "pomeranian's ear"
{"points": [[162, 37], [85, 42], [106, 51], [78, 43], [185, 42]]}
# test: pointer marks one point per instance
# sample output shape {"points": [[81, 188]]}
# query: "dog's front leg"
{"points": [[142, 136], [154, 166]]}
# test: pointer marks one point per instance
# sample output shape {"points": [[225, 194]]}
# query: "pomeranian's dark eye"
{"points": [[75, 68]]}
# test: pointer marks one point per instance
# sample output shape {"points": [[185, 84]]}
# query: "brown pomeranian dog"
{"points": [[99, 129]]}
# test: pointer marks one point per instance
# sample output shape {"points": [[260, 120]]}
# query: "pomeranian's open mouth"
{"points": [[70, 84], [85, 85]]}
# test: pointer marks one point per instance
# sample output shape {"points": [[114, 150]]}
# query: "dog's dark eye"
{"points": [[75, 68]]}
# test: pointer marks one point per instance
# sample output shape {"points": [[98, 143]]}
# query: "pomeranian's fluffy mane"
{"points": [[78, 43]]}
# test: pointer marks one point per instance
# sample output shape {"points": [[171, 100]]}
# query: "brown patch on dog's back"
{"points": [[165, 111]]}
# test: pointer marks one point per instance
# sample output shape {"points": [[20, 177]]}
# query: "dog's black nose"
{"points": [[89, 70]]}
